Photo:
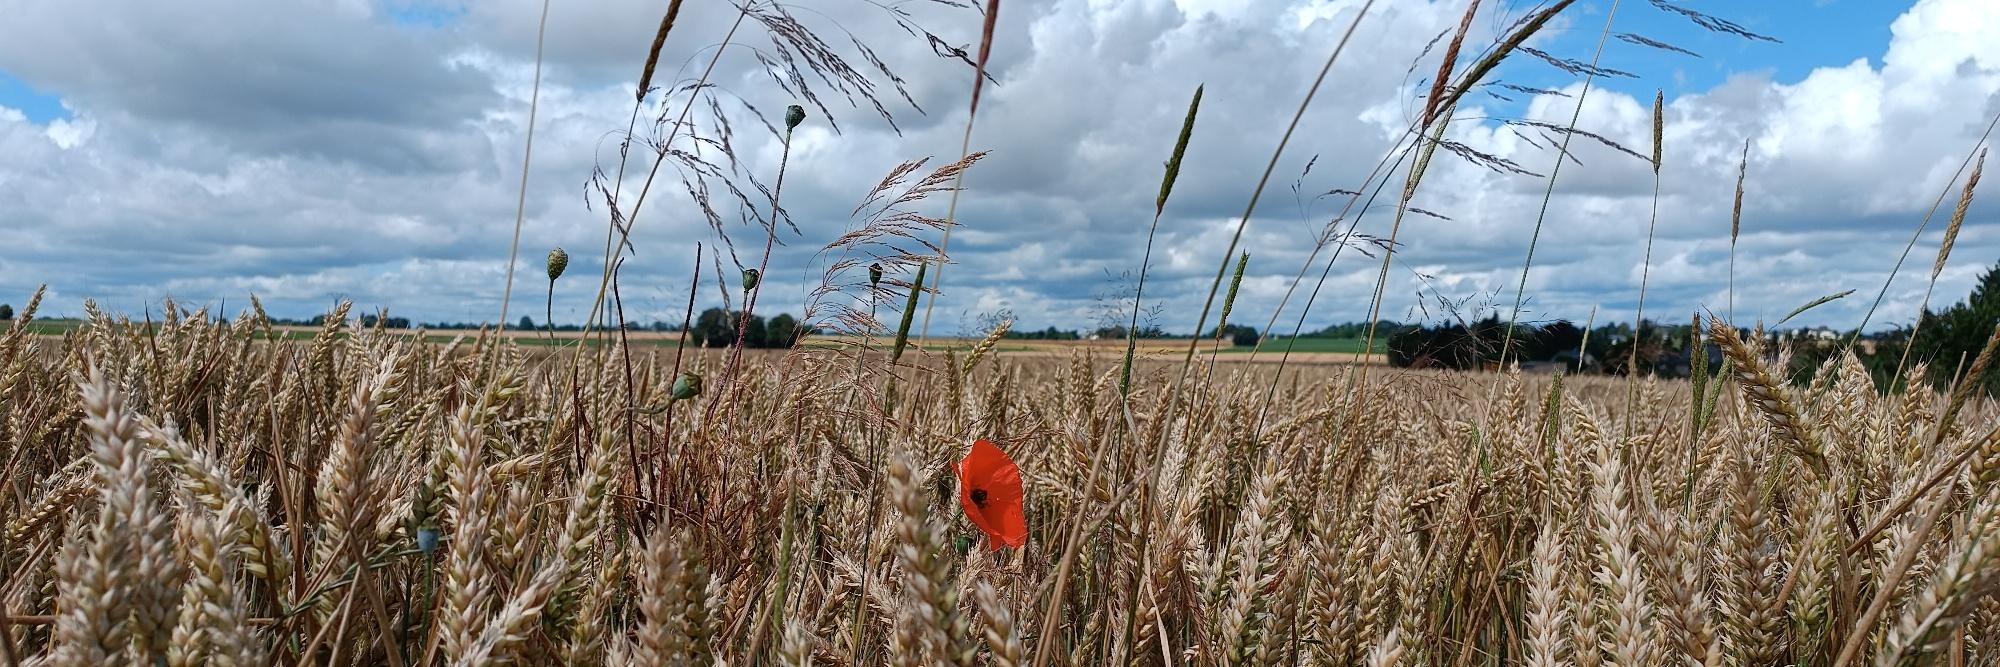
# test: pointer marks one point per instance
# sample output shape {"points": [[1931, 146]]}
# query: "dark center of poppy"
{"points": [[979, 498]]}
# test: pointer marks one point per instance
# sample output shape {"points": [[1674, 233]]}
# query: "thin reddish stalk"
{"points": [[958, 180]]}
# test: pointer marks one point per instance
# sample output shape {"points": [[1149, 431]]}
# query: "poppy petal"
{"points": [[986, 468], [967, 483], [1012, 524]]}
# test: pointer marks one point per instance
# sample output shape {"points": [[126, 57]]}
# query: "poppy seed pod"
{"points": [[875, 273], [427, 539], [794, 115], [687, 386], [558, 260], [750, 279]]}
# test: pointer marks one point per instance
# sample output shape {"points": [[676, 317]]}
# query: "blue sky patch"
{"points": [[40, 107], [1811, 34], [423, 13]]}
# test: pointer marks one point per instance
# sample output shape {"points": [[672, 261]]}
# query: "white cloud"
{"points": [[304, 149], [69, 133]]}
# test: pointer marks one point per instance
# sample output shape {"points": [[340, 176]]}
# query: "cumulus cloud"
{"points": [[318, 149]]}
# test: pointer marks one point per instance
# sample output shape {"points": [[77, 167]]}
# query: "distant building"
{"points": [[1816, 333], [1567, 358], [1676, 363], [1545, 367]]}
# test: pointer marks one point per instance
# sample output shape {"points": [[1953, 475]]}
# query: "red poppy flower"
{"points": [[989, 486]]}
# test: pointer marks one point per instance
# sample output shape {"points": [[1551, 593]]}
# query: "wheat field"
{"points": [[203, 489], [190, 494]]}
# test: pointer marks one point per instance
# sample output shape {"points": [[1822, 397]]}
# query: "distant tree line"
{"points": [[716, 327], [712, 327], [1478, 344], [1117, 332], [525, 323], [1237, 334], [1355, 330], [1665, 350], [1661, 349], [713, 323], [1050, 333], [1945, 341], [529, 323]]}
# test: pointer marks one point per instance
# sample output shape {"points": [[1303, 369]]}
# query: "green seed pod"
{"points": [[558, 260], [794, 115], [875, 274], [687, 386], [750, 279]]}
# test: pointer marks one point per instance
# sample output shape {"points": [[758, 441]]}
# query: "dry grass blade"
{"points": [[1815, 303]]}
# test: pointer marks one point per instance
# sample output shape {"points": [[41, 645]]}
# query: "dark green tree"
{"points": [[1556, 338], [1953, 336], [1243, 336], [715, 327], [527, 323], [1452, 346], [782, 331], [755, 333], [1618, 355], [1117, 331], [1050, 333], [6, 312], [1239, 335]]}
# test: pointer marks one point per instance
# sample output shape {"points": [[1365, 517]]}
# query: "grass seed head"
{"points": [[1659, 126]]}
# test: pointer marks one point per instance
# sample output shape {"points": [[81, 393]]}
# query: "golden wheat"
{"points": [[367, 498]]}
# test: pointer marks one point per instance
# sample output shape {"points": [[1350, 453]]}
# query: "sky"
{"points": [[306, 151]]}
